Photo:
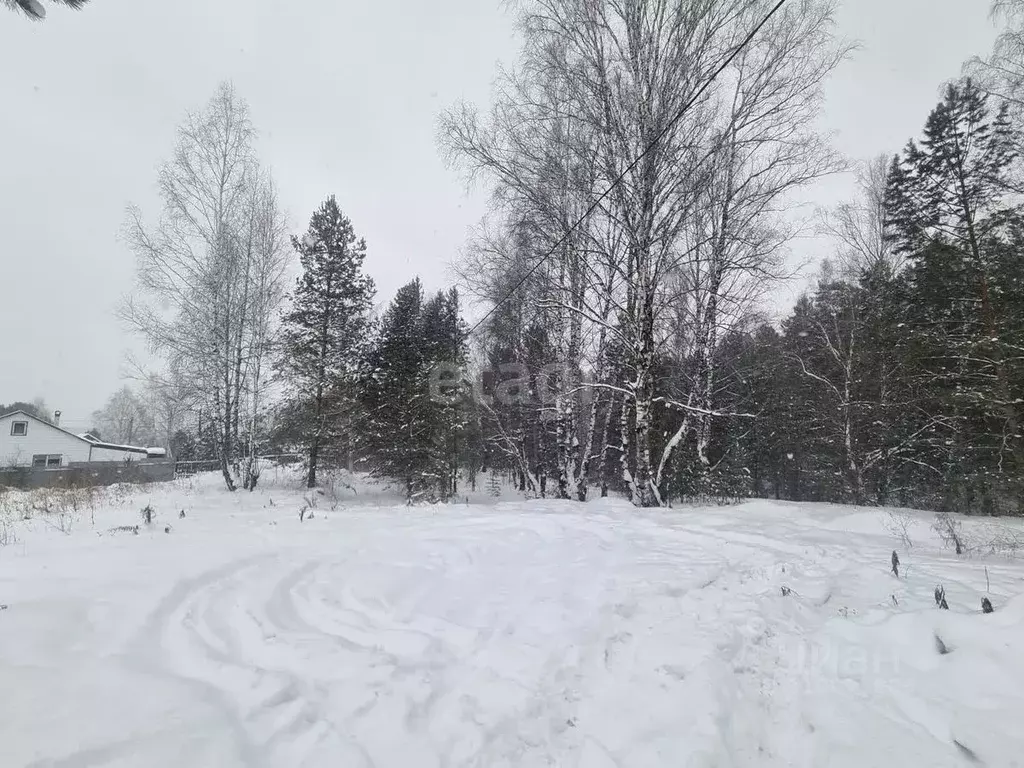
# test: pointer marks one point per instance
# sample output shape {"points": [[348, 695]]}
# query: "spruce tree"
{"points": [[414, 396], [393, 394], [447, 407], [324, 332], [947, 210], [749, 453]]}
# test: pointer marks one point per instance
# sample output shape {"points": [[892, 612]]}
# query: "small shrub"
{"points": [[995, 539], [308, 505], [335, 487], [7, 535], [57, 508], [950, 530], [897, 523], [493, 485]]}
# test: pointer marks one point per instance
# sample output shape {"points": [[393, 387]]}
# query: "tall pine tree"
{"points": [[323, 335]]}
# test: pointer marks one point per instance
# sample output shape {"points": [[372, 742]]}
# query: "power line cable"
{"points": [[618, 180]]}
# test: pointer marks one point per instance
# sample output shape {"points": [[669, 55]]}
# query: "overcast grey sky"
{"points": [[345, 94]]}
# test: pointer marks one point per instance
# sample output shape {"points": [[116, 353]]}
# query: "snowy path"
{"points": [[524, 634]]}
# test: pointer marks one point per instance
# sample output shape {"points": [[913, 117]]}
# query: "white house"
{"points": [[27, 441]]}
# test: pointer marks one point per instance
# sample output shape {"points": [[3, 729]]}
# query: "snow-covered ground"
{"points": [[517, 633]]}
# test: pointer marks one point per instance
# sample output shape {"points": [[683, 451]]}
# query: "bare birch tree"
{"points": [[173, 401], [541, 156], [210, 271], [762, 151], [857, 226], [620, 73], [1001, 73], [125, 419]]}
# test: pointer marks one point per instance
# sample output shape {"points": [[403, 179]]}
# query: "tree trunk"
{"points": [[314, 452], [602, 464], [644, 491]]}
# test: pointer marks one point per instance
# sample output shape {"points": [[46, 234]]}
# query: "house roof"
{"points": [[95, 443], [33, 417], [115, 447]]}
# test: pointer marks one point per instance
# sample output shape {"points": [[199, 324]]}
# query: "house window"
{"points": [[19, 428], [47, 461]]}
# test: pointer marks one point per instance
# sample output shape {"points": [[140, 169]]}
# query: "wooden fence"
{"points": [[88, 474]]}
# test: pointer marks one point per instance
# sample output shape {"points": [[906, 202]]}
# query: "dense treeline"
{"points": [[898, 379], [386, 393], [903, 382], [625, 347]]}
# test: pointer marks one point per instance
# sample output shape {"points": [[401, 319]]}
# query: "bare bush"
{"points": [[85, 498], [897, 523], [58, 508], [950, 530], [121, 493], [995, 539], [7, 534], [336, 487], [308, 505], [980, 539]]}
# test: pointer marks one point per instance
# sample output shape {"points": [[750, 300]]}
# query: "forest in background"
{"points": [[646, 162]]}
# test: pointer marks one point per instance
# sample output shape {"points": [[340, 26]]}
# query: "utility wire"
{"points": [[618, 180]]}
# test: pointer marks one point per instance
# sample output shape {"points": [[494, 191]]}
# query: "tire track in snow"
{"points": [[196, 635], [421, 669], [150, 654]]}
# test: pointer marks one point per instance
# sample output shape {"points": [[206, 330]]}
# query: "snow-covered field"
{"points": [[518, 633]]}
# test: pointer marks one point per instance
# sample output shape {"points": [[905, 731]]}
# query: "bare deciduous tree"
{"points": [[125, 419], [858, 226], [761, 151], [1001, 73], [603, 84], [211, 271]]}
